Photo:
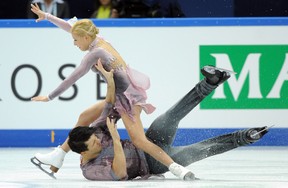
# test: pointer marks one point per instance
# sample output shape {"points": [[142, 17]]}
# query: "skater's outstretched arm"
{"points": [[46, 16]]}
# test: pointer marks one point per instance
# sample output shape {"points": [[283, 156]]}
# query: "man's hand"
{"points": [[108, 75], [110, 96], [119, 162], [41, 15], [112, 129]]}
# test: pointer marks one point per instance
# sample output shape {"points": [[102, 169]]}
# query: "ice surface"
{"points": [[245, 167]]}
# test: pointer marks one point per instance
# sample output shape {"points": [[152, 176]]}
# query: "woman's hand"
{"points": [[41, 15], [40, 98]]}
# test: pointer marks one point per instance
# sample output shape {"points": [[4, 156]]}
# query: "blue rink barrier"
{"points": [[160, 22], [52, 138]]}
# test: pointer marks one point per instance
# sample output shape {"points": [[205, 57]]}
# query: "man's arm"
{"points": [[119, 162], [110, 95]]}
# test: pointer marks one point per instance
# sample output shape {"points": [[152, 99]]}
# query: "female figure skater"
{"points": [[130, 84]]}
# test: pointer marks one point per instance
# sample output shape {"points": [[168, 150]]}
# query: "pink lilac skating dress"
{"points": [[130, 84]]}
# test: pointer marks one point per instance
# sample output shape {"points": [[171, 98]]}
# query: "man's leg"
{"points": [[185, 155], [163, 129]]}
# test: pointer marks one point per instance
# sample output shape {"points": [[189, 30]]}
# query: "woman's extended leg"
{"points": [[136, 132], [137, 135]]}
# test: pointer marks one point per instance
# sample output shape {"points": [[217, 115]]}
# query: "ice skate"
{"points": [[215, 75], [211, 68], [38, 163], [181, 172], [254, 134], [54, 159]]}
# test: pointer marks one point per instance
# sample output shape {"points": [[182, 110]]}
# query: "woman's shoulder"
{"points": [[97, 52]]}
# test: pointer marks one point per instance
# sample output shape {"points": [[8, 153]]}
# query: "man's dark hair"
{"points": [[77, 138]]}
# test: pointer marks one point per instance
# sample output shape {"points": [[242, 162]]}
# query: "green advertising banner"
{"points": [[261, 81]]}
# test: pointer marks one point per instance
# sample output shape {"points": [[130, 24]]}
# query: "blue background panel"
{"points": [[52, 138]]}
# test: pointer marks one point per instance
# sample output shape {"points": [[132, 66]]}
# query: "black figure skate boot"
{"points": [[215, 75], [254, 134]]}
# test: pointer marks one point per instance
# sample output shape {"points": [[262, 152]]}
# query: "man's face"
{"points": [[93, 144]]}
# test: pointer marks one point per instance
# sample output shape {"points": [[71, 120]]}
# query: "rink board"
{"points": [[53, 138], [171, 52]]}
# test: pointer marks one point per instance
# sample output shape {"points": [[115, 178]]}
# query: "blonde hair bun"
{"points": [[85, 27]]}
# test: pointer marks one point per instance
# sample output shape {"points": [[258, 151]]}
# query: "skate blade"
{"points": [[266, 129], [189, 177], [38, 163], [221, 69]]}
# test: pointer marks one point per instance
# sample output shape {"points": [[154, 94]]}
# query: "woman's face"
{"points": [[82, 42]]}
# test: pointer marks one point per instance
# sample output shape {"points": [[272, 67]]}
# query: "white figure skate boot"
{"points": [[181, 172], [54, 159]]}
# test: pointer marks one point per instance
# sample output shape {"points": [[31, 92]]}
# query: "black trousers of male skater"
{"points": [[163, 130]]}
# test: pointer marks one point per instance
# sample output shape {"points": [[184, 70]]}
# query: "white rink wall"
{"points": [[168, 51]]}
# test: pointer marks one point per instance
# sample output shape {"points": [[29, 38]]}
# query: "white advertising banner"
{"points": [[35, 60]]}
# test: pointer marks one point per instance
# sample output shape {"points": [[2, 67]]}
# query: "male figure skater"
{"points": [[104, 156]]}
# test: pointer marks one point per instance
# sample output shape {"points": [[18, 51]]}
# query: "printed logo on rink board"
{"points": [[261, 81]]}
